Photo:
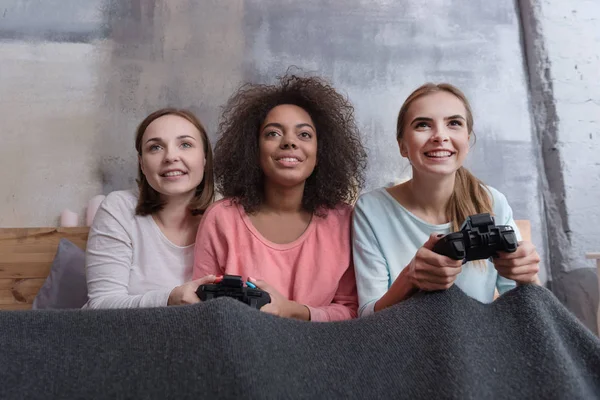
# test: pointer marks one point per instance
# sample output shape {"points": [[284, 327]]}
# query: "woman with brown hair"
{"points": [[289, 162], [141, 244], [396, 228]]}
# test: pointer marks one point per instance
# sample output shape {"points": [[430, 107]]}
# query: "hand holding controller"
{"points": [[233, 286], [479, 238]]}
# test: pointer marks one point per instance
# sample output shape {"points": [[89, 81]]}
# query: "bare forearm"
{"points": [[299, 311], [400, 290]]}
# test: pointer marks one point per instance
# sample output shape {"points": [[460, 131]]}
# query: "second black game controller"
{"points": [[233, 286], [479, 238]]}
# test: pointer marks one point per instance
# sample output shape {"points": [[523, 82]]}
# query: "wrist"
{"points": [[171, 300], [406, 281], [298, 311], [535, 280], [402, 289]]}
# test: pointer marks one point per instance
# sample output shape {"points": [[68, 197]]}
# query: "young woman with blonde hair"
{"points": [[395, 229]]}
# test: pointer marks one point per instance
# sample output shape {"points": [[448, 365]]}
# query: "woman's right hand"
{"points": [[426, 271], [431, 271], [186, 293]]}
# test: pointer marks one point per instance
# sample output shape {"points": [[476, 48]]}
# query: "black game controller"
{"points": [[233, 286], [478, 239]]}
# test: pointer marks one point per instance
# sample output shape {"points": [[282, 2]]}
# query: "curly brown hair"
{"points": [[341, 157]]}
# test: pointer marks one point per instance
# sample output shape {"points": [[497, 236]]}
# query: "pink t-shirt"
{"points": [[315, 270]]}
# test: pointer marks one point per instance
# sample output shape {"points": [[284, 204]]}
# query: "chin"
{"points": [[287, 181], [436, 172], [175, 191]]}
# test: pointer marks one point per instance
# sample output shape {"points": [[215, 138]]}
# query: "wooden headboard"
{"points": [[26, 256]]}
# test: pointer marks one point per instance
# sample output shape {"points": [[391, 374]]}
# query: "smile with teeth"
{"points": [[289, 159], [173, 173], [439, 153]]}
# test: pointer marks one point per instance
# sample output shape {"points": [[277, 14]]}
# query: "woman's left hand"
{"points": [[279, 305], [522, 266]]}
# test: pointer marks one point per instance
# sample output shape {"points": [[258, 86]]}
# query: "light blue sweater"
{"points": [[386, 236]]}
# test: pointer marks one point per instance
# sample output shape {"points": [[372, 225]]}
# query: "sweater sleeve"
{"points": [[109, 257], [504, 216], [344, 304], [372, 273], [210, 243]]}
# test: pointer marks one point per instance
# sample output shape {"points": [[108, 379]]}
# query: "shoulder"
{"points": [[375, 205], [334, 218], [501, 208], [374, 198], [116, 215], [221, 214], [121, 203], [342, 210], [497, 197], [222, 208], [333, 222]]}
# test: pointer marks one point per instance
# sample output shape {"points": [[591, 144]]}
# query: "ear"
{"points": [[403, 149], [141, 162]]}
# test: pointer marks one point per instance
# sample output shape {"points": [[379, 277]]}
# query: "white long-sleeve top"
{"points": [[129, 261]]}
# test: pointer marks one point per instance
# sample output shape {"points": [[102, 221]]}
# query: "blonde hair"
{"points": [[470, 195]]}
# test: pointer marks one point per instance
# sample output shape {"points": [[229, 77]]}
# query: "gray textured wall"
{"points": [[562, 42], [77, 76]]}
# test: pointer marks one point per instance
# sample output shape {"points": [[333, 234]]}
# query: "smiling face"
{"points": [[435, 135], [172, 156], [287, 146]]}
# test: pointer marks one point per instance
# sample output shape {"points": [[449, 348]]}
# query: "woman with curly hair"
{"points": [[288, 161]]}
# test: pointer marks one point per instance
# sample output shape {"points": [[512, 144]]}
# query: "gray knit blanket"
{"points": [[434, 345]]}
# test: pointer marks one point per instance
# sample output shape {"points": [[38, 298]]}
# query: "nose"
{"points": [[288, 141], [440, 135], [171, 155]]}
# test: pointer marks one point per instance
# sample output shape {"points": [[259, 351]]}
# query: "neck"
{"points": [[175, 213], [431, 195], [283, 199]]}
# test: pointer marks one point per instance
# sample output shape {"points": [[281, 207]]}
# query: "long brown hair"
{"points": [[470, 195], [149, 200]]}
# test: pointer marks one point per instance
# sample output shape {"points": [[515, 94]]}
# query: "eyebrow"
{"points": [[278, 125], [178, 137], [426, 119]]}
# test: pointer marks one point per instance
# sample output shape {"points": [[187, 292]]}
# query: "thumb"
{"points": [[204, 280], [433, 239], [260, 284], [269, 308]]}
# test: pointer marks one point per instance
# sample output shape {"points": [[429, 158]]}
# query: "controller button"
{"points": [[459, 248]]}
